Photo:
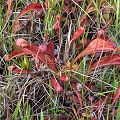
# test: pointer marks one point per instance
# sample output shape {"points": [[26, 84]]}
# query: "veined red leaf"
{"points": [[97, 45], [105, 61], [67, 2], [6, 58], [77, 93], [50, 49], [77, 34], [64, 78], [45, 37], [92, 118], [9, 6], [114, 45], [14, 54], [17, 70], [116, 96], [33, 50], [31, 7], [43, 47], [44, 57], [22, 71], [56, 85], [21, 43]]}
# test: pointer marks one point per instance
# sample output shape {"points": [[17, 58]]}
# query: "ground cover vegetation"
{"points": [[60, 60]]}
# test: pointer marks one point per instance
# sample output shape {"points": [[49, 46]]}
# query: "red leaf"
{"points": [[56, 85], [105, 37], [31, 7], [77, 34], [116, 96], [113, 44], [46, 57], [77, 93], [43, 47], [50, 49], [97, 45], [64, 78], [92, 118], [6, 57], [17, 70], [105, 61], [16, 53], [22, 71], [21, 43]]}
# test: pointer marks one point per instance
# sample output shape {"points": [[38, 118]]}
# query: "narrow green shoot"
{"points": [[15, 115], [20, 112], [42, 116], [108, 111]]}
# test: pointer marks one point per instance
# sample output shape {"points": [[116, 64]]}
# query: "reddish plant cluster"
{"points": [[45, 53]]}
